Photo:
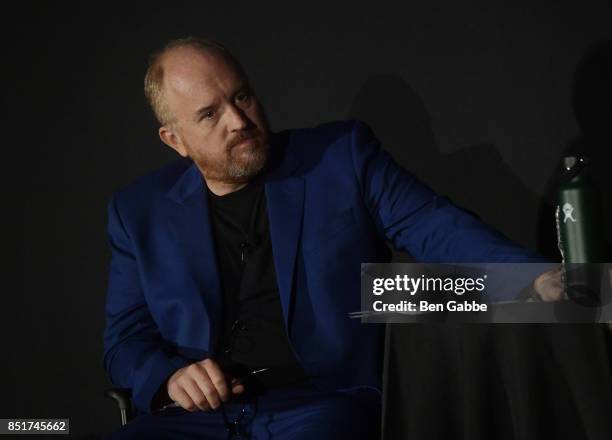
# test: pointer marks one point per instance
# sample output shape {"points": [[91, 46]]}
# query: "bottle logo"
{"points": [[568, 209]]}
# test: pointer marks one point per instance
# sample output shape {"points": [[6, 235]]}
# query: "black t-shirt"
{"points": [[253, 331]]}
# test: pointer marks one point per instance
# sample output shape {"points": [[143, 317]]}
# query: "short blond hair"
{"points": [[154, 78]]}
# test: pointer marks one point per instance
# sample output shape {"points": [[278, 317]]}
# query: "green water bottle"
{"points": [[576, 213], [579, 240]]}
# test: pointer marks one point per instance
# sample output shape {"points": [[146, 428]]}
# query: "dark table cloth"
{"points": [[503, 381]]}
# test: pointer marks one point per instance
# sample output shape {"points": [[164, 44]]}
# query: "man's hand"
{"points": [[202, 385], [549, 286]]}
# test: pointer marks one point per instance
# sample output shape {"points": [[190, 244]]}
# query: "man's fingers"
{"points": [[180, 396], [235, 384], [187, 393], [207, 388], [200, 398], [217, 378], [549, 286], [202, 385], [237, 388], [193, 380]]}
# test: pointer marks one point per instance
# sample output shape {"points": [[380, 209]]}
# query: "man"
{"points": [[234, 269]]}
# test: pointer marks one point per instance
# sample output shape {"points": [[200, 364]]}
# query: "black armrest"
{"points": [[123, 397]]}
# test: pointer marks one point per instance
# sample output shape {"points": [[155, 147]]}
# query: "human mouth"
{"points": [[249, 141], [245, 142]]}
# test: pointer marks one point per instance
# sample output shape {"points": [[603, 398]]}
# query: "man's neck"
{"points": [[219, 188]]}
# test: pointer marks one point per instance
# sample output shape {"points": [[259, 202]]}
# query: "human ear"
{"points": [[169, 137]]}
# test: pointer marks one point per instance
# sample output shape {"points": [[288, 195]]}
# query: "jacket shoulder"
{"points": [[332, 129], [152, 185], [329, 137]]}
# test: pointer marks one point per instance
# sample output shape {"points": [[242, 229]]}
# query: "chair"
{"points": [[123, 397]]}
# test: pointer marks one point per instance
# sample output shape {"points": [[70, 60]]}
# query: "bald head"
{"points": [[179, 60]]}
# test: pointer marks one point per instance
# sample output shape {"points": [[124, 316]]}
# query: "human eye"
{"points": [[208, 115], [243, 96]]}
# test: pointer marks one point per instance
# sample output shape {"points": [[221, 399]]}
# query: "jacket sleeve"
{"points": [[428, 226], [135, 356]]}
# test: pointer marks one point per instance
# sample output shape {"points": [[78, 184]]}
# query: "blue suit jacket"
{"points": [[334, 198]]}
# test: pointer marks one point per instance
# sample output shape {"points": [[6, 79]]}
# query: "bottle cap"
{"points": [[572, 166], [569, 162]]}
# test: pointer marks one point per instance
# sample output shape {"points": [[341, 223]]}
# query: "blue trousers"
{"points": [[289, 413]]}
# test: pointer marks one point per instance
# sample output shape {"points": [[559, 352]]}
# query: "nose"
{"points": [[237, 119]]}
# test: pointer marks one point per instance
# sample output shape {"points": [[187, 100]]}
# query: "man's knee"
{"points": [[143, 427], [337, 417]]}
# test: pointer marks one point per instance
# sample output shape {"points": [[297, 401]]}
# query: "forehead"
{"points": [[192, 76]]}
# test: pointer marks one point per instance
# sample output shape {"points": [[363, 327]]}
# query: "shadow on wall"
{"points": [[474, 177], [592, 106]]}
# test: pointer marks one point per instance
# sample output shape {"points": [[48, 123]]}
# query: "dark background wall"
{"points": [[474, 98]]}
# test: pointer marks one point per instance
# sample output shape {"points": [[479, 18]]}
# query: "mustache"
{"points": [[242, 137]]}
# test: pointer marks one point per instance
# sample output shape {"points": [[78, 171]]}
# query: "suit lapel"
{"points": [[285, 202], [285, 212], [191, 224]]}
